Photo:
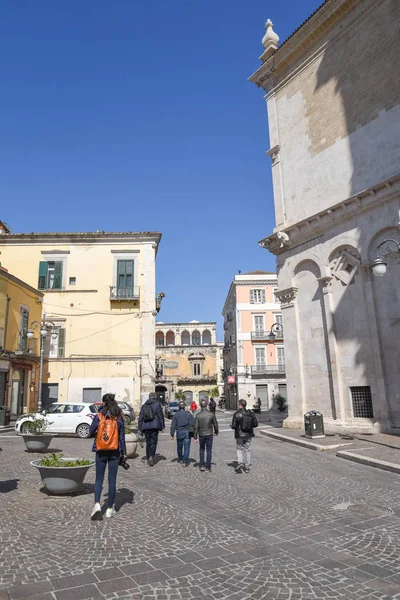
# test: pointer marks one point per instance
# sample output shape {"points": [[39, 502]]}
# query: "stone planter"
{"points": [[36, 443], [131, 444], [62, 480]]}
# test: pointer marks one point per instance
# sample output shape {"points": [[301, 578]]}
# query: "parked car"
{"points": [[171, 408], [62, 418], [126, 408]]}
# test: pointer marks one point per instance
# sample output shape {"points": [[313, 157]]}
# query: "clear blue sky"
{"points": [[136, 115]]}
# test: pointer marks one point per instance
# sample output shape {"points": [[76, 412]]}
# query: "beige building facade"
{"points": [[254, 353], [333, 100], [189, 360], [99, 291]]}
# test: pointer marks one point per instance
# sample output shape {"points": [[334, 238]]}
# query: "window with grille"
{"points": [[362, 402], [257, 296], [197, 369]]}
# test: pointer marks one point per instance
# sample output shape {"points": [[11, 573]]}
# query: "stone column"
{"points": [[293, 358], [148, 323], [335, 387], [382, 410]]}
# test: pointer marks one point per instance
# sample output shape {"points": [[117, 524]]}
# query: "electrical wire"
{"points": [[88, 312], [101, 331]]}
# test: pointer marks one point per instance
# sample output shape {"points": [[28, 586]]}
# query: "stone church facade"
{"points": [[333, 100]]}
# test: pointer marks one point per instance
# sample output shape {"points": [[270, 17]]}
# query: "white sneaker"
{"points": [[110, 512], [96, 510]]}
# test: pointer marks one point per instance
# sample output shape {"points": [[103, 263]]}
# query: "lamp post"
{"points": [[276, 329], [44, 326], [383, 250]]}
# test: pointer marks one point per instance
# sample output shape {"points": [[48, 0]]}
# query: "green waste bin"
{"points": [[5, 415], [314, 424]]}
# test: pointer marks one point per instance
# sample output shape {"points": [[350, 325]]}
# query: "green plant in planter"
{"points": [[281, 402], [128, 428], [56, 460], [180, 396], [213, 393], [38, 425]]}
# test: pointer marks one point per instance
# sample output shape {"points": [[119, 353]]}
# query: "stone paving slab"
{"points": [[302, 525]]}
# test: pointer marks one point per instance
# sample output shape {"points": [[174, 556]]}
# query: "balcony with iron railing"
{"points": [[262, 336], [122, 293], [264, 369], [25, 345]]}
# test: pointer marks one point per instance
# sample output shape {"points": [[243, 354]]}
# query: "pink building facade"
{"points": [[254, 354]]}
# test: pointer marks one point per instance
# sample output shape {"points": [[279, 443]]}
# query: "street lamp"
{"points": [[44, 326], [379, 266], [276, 329]]}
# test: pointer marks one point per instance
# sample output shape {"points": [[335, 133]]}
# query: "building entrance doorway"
{"points": [[17, 392], [262, 394], [161, 392]]}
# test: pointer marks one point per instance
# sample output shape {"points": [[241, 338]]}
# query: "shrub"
{"points": [[57, 460]]}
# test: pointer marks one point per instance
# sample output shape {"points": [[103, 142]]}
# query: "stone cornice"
{"points": [[304, 231], [65, 239], [307, 38]]}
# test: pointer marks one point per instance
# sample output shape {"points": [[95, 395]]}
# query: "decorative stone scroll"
{"points": [[325, 284], [287, 297]]}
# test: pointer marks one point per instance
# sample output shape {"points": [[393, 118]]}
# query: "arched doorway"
{"points": [[189, 398], [203, 395], [161, 392]]}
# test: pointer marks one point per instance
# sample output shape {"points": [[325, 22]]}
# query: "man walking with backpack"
{"points": [[182, 425], [151, 422], [205, 427], [243, 422]]}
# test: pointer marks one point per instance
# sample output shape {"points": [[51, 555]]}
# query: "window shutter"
{"points": [[58, 268], [23, 339], [42, 275], [61, 342], [251, 296], [263, 296]]}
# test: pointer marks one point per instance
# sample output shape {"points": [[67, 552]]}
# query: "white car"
{"points": [[62, 418]]}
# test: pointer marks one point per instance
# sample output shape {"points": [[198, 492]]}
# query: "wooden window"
{"points": [[257, 296], [50, 275]]}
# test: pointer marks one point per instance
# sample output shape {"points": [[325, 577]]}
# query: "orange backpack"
{"points": [[107, 433]]}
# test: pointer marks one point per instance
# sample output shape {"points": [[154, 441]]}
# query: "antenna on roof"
{"points": [[239, 271]]}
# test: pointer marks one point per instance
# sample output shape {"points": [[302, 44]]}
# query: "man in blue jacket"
{"points": [[182, 423], [151, 421]]}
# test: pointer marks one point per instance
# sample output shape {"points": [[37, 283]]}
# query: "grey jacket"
{"points": [[205, 423]]}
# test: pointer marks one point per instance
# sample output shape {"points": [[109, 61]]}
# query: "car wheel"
{"points": [[127, 419], [26, 427], [83, 430]]}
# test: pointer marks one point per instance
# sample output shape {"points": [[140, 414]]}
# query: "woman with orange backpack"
{"points": [[110, 448]]}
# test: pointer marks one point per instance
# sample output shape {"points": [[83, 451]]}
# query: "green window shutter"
{"points": [[58, 268], [125, 271], [121, 273], [61, 342], [23, 338], [42, 275]]}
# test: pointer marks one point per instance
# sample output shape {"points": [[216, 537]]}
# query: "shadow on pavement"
{"points": [[87, 488], [122, 497], [48, 451], [8, 486]]}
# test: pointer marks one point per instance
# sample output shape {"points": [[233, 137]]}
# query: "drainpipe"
{"points": [[6, 323]]}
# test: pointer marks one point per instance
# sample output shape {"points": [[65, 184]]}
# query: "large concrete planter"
{"points": [[131, 444], [62, 480], [37, 443]]}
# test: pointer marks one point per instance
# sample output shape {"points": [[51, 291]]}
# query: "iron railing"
{"points": [[264, 369], [264, 335], [124, 293]]}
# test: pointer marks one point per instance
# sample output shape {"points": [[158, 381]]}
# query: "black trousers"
{"points": [[151, 436]]}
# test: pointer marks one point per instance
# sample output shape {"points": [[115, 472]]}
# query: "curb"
{"points": [[304, 443], [370, 462]]}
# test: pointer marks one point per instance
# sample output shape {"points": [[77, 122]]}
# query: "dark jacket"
{"points": [[205, 423], [237, 417], [121, 433], [158, 421], [212, 405], [181, 421]]}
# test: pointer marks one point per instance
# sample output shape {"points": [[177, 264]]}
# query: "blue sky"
{"points": [[136, 115]]}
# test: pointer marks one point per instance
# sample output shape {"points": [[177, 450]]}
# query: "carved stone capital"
{"points": [[325, 284], [287, 297], [273, 153]]}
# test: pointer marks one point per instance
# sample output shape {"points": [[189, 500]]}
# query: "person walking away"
{"points": [[243, 422], [193, 407], [205, 427], [151, 422], [109, 445], [183, 425], [212, 405]]}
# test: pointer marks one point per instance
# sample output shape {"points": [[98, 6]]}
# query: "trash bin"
{"points": [[5, 415], [314, 424]]}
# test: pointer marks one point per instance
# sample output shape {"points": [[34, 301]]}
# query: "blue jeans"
{"points": [[183, 443], [206, 442], [104, 458], [151, 436]]}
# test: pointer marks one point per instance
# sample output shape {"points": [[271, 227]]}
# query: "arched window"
{"points": [[207, 337], [196, 338], [185, 338], [189, 397], [203, 396], [159, 338], [170, 338]]}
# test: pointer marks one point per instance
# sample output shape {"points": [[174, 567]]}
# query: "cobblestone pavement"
{"points": [[302, 525]]}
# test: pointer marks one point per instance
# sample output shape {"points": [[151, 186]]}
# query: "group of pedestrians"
{"points": [[109, 432]]}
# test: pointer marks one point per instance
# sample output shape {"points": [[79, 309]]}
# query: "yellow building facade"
{"points": [[99, 292], [188, 360], [20, 304]]}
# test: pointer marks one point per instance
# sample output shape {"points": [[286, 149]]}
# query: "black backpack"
{"points": [[148, 413], [246, 422]]}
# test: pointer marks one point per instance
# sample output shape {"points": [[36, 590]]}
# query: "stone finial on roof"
{"points": [[270, 40]]}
